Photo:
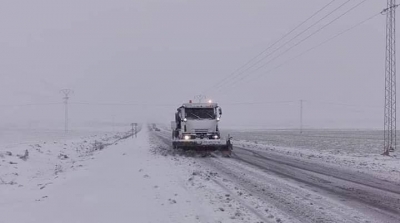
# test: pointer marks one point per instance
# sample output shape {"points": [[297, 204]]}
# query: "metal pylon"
{"points": [[66, 93], [390, 79]]}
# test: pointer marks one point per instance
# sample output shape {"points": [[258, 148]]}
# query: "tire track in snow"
{"points": [[360, 179], [370, 198], [377, 200], [241, 201], [291, 200], [281, 209]]}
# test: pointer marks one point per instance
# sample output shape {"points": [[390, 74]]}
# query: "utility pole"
{"points": [[301, 116], [66, 93], [132, 124], [390, 79], [134, 130]]}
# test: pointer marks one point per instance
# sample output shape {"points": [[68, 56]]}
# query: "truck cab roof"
{"points": [[200, 105]]}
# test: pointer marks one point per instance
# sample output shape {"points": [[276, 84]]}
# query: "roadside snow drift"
{"points": [[106, 179]]}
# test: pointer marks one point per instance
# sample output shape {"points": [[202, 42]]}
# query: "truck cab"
{"points": [[197, 121], [196, 127]]}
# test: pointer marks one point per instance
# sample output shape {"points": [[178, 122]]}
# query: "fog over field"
{"points": [[198, 111], [139, 60]]}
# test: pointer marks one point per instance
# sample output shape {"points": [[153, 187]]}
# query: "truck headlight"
{"points": [[215, 137], [186, 137]]}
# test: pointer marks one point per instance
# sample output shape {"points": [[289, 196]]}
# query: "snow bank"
{"points": [[359, 150], [100, 180]]}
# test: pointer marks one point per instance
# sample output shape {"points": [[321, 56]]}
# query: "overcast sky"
{"points": [[165, 52]]}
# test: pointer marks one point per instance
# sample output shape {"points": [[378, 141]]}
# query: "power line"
{"points": [[258, 103], [303, 102], [121, 104], [29, 104], [286, 43], [175, 105], [298, 43], [250, 103], [344, 104], [316, 46], [268, 48]]}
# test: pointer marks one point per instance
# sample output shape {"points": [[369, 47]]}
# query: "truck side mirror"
{"points": [[220, 111]]}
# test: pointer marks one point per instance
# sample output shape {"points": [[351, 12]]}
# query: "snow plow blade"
{"points": [[200, 143], [204, 145]]}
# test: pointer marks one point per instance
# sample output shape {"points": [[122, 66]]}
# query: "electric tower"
{"points": [[66, 93], [390, 79]]}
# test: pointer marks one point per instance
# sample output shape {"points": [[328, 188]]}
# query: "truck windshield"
{"points": [[200, 113]]}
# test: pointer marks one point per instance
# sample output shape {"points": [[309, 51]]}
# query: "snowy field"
{"points": [[114, 177], [331, 141], [288, 182], [108, 178], [12, 137], [359, 149]]}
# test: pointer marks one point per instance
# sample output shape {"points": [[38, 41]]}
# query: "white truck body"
{"points": [[196, 127]]}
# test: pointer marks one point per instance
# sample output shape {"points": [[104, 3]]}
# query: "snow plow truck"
{"points": [[196, 128]]}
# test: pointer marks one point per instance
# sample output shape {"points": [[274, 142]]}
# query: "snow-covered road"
{"points": [[111, 178], [125, 181], [313, 193], [301, 190]]}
